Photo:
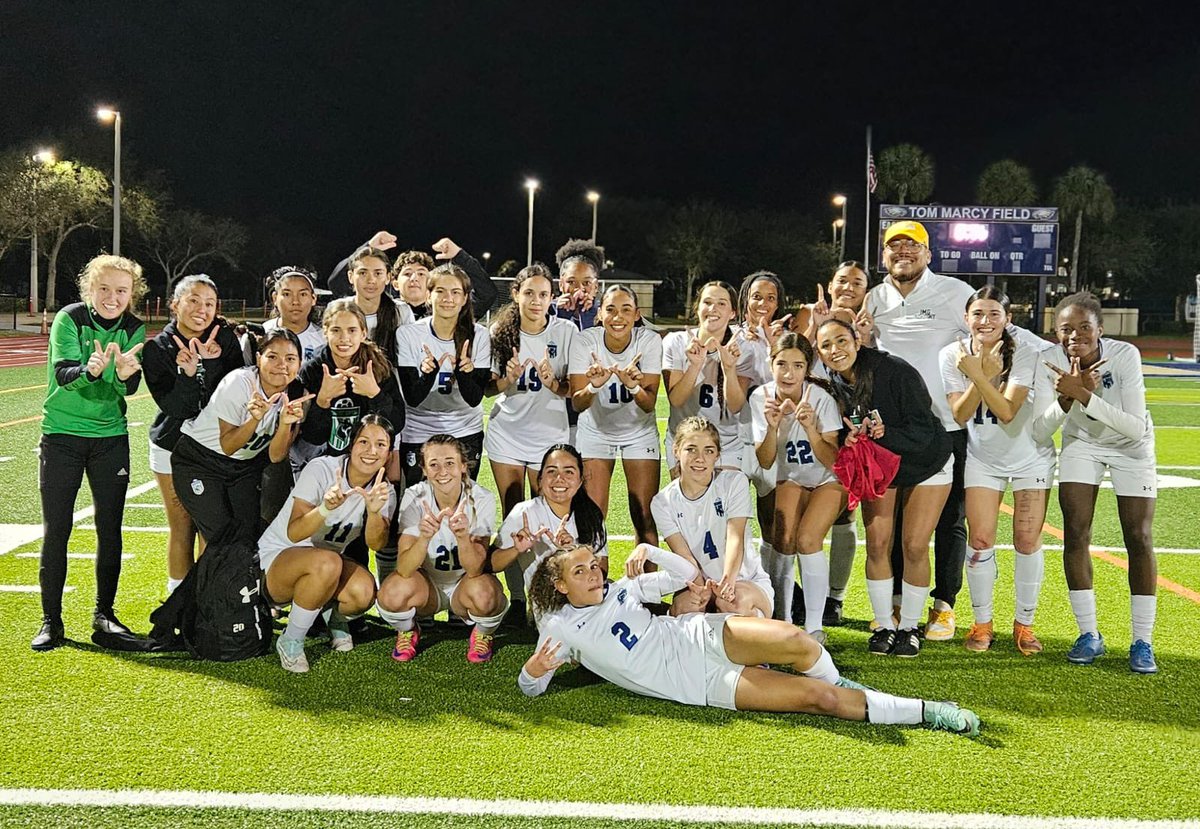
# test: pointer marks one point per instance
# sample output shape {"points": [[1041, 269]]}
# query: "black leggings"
{"points": [[410, 457], [64, 459], [218, 492]]}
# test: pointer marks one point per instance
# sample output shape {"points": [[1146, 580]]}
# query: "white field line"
{"points": [[1181, 468], [85, 556], [8, 543], [27, 588], [662, 812]]}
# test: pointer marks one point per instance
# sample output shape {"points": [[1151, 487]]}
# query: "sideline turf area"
{"points": [[1058, 740]]}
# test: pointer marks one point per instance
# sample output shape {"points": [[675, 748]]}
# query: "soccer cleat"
{"points": [[941, 624], [105, 621], [50, 636], [1141, 658], [908, 643], [946, 716], [1026, 642], [833, 613], [1087, 649], [291, 655], [818, 636], [340, 638], [406, 644], [980, 637], [851, 684], [479, 646], [882, 641]]}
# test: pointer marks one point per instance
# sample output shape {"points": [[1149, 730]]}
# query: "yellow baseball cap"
{"points": [[913, 230]]}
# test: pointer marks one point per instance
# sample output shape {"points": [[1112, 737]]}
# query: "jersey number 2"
{"points": [[624, 635]]}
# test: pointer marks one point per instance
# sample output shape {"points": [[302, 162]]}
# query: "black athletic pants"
{"points": [[63, 461], [218, 492], [949, 539]]}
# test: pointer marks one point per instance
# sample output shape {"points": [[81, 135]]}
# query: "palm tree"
{"points": [[906, 172], [1006, 183], [1080, 192]]}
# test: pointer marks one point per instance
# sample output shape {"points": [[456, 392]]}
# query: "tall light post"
{"points": [[41, 157], [106, 115], [531, 184], [594, 198], [838, 224], [487, 257], [840, 201]]}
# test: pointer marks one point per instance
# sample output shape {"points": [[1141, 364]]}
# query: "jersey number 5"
{"points": [[624, 635], [444, 379]]}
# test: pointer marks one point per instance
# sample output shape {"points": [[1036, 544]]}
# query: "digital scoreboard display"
{"points": [[982, 240]]}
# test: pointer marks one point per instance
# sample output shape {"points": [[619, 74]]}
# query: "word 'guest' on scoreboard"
{"points": [[982, 240]]}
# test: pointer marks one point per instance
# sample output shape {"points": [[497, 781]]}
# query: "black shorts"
{"points": [[410, 458]]}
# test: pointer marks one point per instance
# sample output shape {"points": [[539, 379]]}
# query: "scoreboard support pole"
{"points": [[1039, 306]]}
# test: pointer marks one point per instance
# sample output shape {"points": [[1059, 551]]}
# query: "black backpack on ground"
{"points": [[219, 610]]}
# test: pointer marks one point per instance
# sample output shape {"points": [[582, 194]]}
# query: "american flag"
{"points": [[872, 178]]}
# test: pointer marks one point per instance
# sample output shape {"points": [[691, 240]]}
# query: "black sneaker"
{"points": [[105, 621], [908, 643], [833, 613], [882, 641], [50, 636]]}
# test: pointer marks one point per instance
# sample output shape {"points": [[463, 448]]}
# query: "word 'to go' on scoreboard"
{"points": [[982, 240]]}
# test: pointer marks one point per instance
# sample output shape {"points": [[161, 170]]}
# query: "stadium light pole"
{"points": [[41, 157], [531, 184], [594, 198], [107, 114], [486, 259], [838, 224], [840, 201]]}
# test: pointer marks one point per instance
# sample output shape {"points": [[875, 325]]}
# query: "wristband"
{"points": [[636, 389], [324, 510], [594, 389]]}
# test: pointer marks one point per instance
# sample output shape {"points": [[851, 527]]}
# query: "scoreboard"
{"points": [[982, 240]]}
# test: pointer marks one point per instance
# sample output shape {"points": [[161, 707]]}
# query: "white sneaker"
{"points": [[291, 655]]}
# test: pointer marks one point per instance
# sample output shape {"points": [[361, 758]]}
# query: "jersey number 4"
{"points": [[624, 635], [710, 548]]}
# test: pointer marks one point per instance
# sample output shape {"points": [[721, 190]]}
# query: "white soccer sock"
{"points": [[880, 593], [300, 619], [385, 562], [172, 584], [885, 709], [1083, 605], [981, 579], [814, 578], [781, 569], [401, 621], [1030, 570], [843, 543], [487, 624], [912, 603], [823, 669], [1143, 610]]}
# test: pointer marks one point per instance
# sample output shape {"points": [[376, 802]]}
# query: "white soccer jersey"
{"points": [[614, 417], [443, 411], [759, 365], [1117, 417], [704, 400], [916, 328], [311, 340], [621, 641], [702, 522], [795, 460], [528, 418], [1007, 450], [341, 526], [540, 515], [228, 403], [405, 314], [441, 558]]}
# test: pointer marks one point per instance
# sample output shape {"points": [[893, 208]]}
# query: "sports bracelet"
{"points": [[324, 510], [634, 391]]}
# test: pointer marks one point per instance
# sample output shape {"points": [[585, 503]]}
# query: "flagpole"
{"points": [[867, 202]]}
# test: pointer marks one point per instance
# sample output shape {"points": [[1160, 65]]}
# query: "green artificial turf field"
{"points": [[1058, 740]]}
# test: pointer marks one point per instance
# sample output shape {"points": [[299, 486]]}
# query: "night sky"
{"points": [[426, 118]]}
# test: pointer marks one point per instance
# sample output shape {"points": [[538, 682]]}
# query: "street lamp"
{"points": [[531, 184], [107, 115], [41, 157], [486, 258], [840, 201], [594, 198], [838, 224]]}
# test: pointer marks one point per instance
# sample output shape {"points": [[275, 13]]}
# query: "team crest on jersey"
{"points": [[552, 349], [719, 507], [1107, 379], [621, 595], [197, 486], [926, 314]]}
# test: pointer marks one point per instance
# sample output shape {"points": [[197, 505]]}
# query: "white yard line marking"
{"points": [[1181, 468], [662, 812], [144, 506], [1180, 550], [13, 536], [125, 529], [85, 556], [27, 588]]}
